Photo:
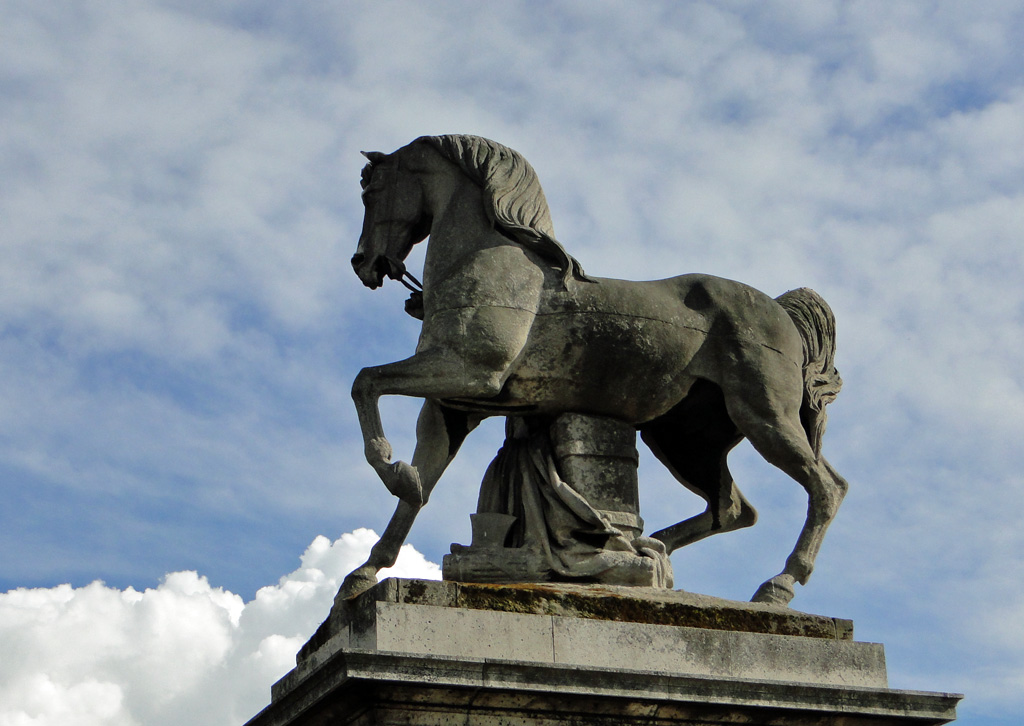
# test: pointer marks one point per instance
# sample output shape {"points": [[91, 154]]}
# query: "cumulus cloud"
{"points": [[182, 652]]}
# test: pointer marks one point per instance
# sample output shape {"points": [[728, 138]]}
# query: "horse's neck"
{"points": [[468, 262], [460, 230]]}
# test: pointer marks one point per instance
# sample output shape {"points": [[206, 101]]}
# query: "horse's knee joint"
{"points": [[738, 515], [361, 385], [747, 516], [490, 384]]}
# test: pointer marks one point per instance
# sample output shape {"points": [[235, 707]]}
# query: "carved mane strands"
{"points": [[513, 197]]}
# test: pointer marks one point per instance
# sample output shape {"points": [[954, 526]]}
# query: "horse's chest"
{"points": [[499, 277]]}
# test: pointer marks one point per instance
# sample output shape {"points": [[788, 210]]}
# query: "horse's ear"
{"points": [[374, 156]]}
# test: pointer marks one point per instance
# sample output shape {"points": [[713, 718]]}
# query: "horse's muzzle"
{"points": [[370, 273]]}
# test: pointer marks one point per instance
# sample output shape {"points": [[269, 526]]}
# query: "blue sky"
{"points": [[180, 327]]}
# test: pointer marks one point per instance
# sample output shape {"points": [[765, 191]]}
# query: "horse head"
{"points": [[394, 220]]}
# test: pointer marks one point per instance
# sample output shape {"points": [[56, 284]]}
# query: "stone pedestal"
{"points": [[426, 652]]}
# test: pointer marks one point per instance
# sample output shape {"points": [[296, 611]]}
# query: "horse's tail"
{"points": [[817, 325]]}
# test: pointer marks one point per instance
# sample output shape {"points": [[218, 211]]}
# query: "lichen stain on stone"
{"points": [[416, 590], [540, 599]]}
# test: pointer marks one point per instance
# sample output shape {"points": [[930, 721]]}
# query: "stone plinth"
{"points": [[426, 652]]}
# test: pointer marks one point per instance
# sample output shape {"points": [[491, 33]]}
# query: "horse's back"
{"points": [[699, 302], [633, 349]]}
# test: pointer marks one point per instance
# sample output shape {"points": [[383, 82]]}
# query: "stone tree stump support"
{"points": [[417, 652]]}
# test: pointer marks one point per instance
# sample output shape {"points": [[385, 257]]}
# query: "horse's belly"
{"points": [[629, 367]]}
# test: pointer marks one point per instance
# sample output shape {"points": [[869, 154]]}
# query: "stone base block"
{"points": [[424, 652], [524, 565]]}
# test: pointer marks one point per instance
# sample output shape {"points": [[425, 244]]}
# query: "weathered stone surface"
{"points": [[600, 626], [513, 327], [721, 653], [364, 688], [653, 606], [422, 652], [599, 458]]}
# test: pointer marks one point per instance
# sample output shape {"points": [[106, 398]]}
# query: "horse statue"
{"points": [[513, 326]]}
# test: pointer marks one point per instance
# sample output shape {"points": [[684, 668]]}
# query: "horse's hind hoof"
{"points": [[403, 481], [777, 591]]}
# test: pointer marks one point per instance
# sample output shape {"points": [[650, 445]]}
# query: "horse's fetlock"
{"points": [[403, 481], [800, 566], [832, 502], [378, 450]]}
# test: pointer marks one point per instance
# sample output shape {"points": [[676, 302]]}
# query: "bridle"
{"points": [[396, 267], [406, 277]]}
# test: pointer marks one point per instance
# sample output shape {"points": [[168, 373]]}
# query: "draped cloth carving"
{"points": [[543, 511]]}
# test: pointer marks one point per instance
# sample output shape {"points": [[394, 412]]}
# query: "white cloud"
{"points": [[183, 652]]}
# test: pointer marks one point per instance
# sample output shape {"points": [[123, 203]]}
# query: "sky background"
{"points": [[181, 473]]}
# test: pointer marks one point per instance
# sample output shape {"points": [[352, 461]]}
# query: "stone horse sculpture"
{"points": [[513, 326]]}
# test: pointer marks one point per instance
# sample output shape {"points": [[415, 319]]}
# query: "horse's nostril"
{"points": [[357, 259]]}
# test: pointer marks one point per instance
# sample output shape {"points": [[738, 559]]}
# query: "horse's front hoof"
{"points": [[356, 583], [403, 481], [777, 591]]}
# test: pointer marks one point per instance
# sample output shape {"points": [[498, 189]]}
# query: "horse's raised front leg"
{"points": [[439, 433], [424, 375], [464, 354], [470, 360]]}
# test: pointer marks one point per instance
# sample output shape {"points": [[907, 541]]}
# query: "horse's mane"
{"points": [[513, 198]]}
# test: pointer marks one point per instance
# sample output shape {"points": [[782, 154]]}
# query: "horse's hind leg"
{"points": [[693, 441], [775, 432], [727, 510], [440, 432]]}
